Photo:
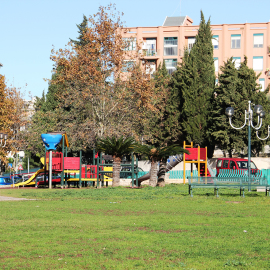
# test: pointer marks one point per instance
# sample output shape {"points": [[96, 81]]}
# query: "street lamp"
{"points": [[258, 109]]}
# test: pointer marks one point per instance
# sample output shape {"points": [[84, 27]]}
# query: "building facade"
{"points": [[169, 41]]}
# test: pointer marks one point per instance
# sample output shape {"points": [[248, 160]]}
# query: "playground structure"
{"points": [[71, 168], [73, 171], [198, 157]]}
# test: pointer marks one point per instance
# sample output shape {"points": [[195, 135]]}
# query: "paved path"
{"points": [[4, 198]]}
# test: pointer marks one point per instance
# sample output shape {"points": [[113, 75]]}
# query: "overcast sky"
{"points": [[29, 28]]}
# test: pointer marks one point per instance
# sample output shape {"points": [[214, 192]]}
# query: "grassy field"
{"points": [[121, 228]]}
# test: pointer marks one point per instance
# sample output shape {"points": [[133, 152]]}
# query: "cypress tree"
{"points": [[195, 79], [164, 128], [236, 87], [82, 29]]}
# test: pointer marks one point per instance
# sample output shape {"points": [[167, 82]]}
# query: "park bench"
{"points": [[228, 182]]}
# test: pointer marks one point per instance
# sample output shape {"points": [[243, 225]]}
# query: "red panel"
{"points": [[91, 171], [193, 154], [203, 154], [71, 163], [56, 160]]}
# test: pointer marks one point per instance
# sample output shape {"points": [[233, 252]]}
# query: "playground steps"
{"points": [[202, 169]]}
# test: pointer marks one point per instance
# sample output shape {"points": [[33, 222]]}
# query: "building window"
{"points": [[128, 65], [216, 63], [237, 62], [170, 45], [191, 41], [129, 44], [258, 40], [149, 47], [262, 84], [235, 41], [215, 41], [171, 65], [258, 62]]}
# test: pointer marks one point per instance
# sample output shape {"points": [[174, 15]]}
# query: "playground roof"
{"points": [[66, 143]]}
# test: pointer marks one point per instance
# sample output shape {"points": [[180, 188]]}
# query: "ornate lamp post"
{"points": [[258, 109]]}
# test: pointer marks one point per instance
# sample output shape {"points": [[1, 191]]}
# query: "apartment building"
{"points": [[168, 42]]}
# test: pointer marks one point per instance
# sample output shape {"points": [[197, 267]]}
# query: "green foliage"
{"points": [[236, 87], [163, 127], [82, 29], [116, 146], [195, 80], [34, 160], [159, 153]]}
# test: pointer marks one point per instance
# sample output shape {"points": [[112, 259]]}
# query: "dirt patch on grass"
{"points": [[4, 198], [159, 231], [233, 202]]}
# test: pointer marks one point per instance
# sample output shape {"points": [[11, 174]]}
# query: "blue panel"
{"points": [[51, 140]]}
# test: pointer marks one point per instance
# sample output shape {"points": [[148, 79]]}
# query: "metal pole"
{"points": [[132, 168], [63, 162], [50, 170], [137, 170], [98, 172], [28, 165], [66, 175], [45, 168], [80, 175], [249, 154], [249, 143]]}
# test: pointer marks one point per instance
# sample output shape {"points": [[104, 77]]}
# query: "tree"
{"points": [[117, 147], [158, 154], [163, 127], [236, 87], [82, 30], [13, 117], [96, 98], [195, 79]]}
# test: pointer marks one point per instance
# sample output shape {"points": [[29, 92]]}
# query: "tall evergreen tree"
{"points": [[82, 29], [195, 79], [164, 128], [236, 87]]}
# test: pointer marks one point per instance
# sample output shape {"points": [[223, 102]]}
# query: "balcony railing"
{"points": [[149, 53]]}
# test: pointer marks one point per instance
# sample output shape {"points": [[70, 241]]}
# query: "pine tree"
{"points": [[164, 128], [195, 79], [236, 87], [82, 29], [227, 95]]}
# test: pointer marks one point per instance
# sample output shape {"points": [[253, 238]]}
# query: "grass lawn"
{"points": [[121, 228]]}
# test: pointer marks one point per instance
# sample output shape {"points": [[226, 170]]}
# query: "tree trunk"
{"points": [[161, 174], [116, 171], [153, 174]]}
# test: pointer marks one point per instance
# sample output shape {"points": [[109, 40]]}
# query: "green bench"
{"points": [[228, 182]]}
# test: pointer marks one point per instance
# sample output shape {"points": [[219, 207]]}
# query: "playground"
{"points": [[62, 171]]}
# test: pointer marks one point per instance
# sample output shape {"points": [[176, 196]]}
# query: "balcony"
{"points": [[149, 53]]}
